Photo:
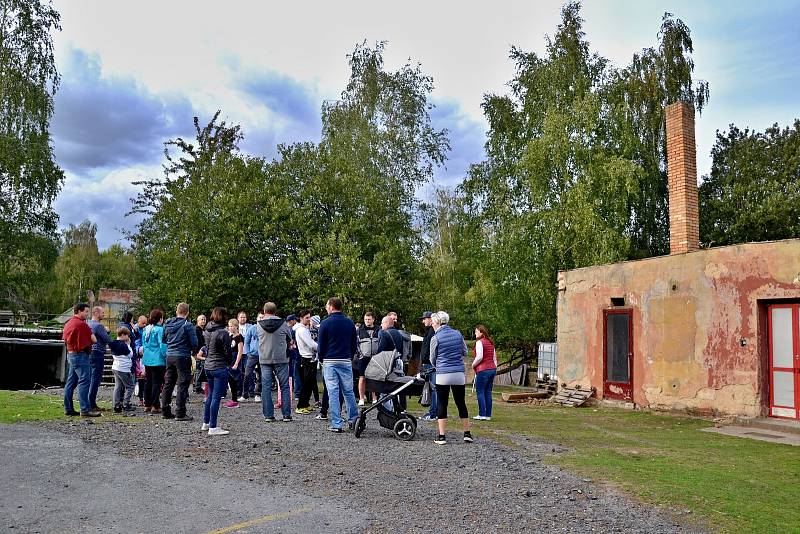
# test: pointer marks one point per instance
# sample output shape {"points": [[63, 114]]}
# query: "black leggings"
{"points": [[443, 397]]}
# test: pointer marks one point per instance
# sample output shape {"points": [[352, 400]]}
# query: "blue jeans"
{"points": [[97, 362], [217, 384], [432, 411], [484, 381], [281, 370], [79, 374], [338, 377]]}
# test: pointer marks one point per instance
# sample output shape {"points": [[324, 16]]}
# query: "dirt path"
{"points": [[375, 483]]}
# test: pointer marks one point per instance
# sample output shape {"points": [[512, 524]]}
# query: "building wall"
{"points": [[699, 324]]}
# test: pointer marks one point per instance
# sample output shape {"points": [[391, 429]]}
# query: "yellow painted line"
{"points": [[258, 521]]}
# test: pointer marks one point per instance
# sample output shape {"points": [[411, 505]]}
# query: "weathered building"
{"points": [[711, 331]]}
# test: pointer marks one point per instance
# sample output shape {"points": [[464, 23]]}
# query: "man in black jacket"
{"points": [[425, 355]]}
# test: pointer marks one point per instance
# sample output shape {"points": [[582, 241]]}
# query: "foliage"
{"points": [[81, 267], [29, 177], [753, 193], [574, 172], [333, 218]]}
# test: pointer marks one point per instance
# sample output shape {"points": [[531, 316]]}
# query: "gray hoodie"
{"points": [[274, 337]]}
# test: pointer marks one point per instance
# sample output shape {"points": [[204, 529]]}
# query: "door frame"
{"points": [[625, 387], [795, 370]]}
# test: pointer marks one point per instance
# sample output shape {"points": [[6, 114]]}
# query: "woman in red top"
{"points": [[485, 367]]}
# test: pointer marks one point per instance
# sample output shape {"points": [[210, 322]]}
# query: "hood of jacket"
{"points": [[271, 324], [211, 326]]}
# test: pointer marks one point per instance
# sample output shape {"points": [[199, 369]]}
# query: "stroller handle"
{"points": [[424, 374]]}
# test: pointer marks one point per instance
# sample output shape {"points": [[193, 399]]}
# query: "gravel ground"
{"points": [[395, 486]]}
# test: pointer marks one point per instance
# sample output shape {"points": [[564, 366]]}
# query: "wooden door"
{"points": [[618, 354], [784, 360]]}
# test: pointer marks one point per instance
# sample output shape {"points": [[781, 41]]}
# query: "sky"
{"points": [[134, 74]]}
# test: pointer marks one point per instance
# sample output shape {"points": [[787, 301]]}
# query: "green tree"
{"points": [[574, 173], [77, 267], [753, 193], [29, 177]]}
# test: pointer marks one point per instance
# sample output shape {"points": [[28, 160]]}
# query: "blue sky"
{"points": [[134, 74]]}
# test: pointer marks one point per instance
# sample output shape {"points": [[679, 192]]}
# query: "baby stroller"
{"points": [[384, 375]]}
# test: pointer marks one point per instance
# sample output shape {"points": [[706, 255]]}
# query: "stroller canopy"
{"points": [[386, 366]]}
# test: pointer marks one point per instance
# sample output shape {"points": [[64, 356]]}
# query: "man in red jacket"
{"points": [[78, 338]]}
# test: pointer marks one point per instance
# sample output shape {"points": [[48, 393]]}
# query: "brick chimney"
{"points": [[684, 217]]}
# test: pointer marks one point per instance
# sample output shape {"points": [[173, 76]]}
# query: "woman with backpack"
{"points": [[154, 358]]}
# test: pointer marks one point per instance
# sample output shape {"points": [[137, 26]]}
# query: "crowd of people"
{"points": [[230, 357]]}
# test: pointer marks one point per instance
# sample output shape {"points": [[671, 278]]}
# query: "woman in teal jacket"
{"points": [[154, 358]]}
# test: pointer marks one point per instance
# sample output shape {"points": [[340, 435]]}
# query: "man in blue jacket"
{"points": [[98, 358], [336, 345], [181, 341], [252, 369]]}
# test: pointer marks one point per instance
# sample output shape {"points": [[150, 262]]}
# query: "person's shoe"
{"points": [[257, 398], [269, 419], [90, 414], [440, 440], [303, 411], [286, 419], [130, 408], [241, 399], [166, 413], [361, 402], [141, 402], [468, 437], [478, 418], [148, 409], [427, 417], [322, 416], [155, 410], [317, 404], [184, 418], [231, 404], [72, 413], [335, 429], [117, 409], [205, 426], [217, 431], [99, 409]]}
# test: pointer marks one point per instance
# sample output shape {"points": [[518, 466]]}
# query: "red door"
{"points": [[784, 360], [618, 354]]}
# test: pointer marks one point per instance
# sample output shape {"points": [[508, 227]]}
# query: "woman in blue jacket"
{"points": [[448, 350], [154, 358]]}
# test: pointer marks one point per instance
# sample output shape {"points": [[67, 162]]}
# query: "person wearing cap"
{"points": [[425, 356]]}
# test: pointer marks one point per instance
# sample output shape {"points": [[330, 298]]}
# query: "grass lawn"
{"points": [[732, 484], [18, 406]]}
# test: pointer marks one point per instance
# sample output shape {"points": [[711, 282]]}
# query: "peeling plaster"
{"points": [[690, 314]]}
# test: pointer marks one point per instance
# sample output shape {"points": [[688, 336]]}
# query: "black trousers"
{"points": [[443, 397], [152, 385], [179, 371], [308, 382]]}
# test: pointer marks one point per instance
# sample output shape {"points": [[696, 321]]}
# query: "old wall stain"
{"points": [[697, 341]]}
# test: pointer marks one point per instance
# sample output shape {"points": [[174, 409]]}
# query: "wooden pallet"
{"points": [[522, 397], [574, 396]]}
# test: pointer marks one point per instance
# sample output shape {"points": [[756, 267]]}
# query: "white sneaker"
{"points": [[205, 426], [257, 398], [217, 431], [361, 402], [478, 418], [241, 399]]}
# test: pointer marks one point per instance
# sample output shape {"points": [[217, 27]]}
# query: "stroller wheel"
{"points": [[404, 429], [361, 424]]}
